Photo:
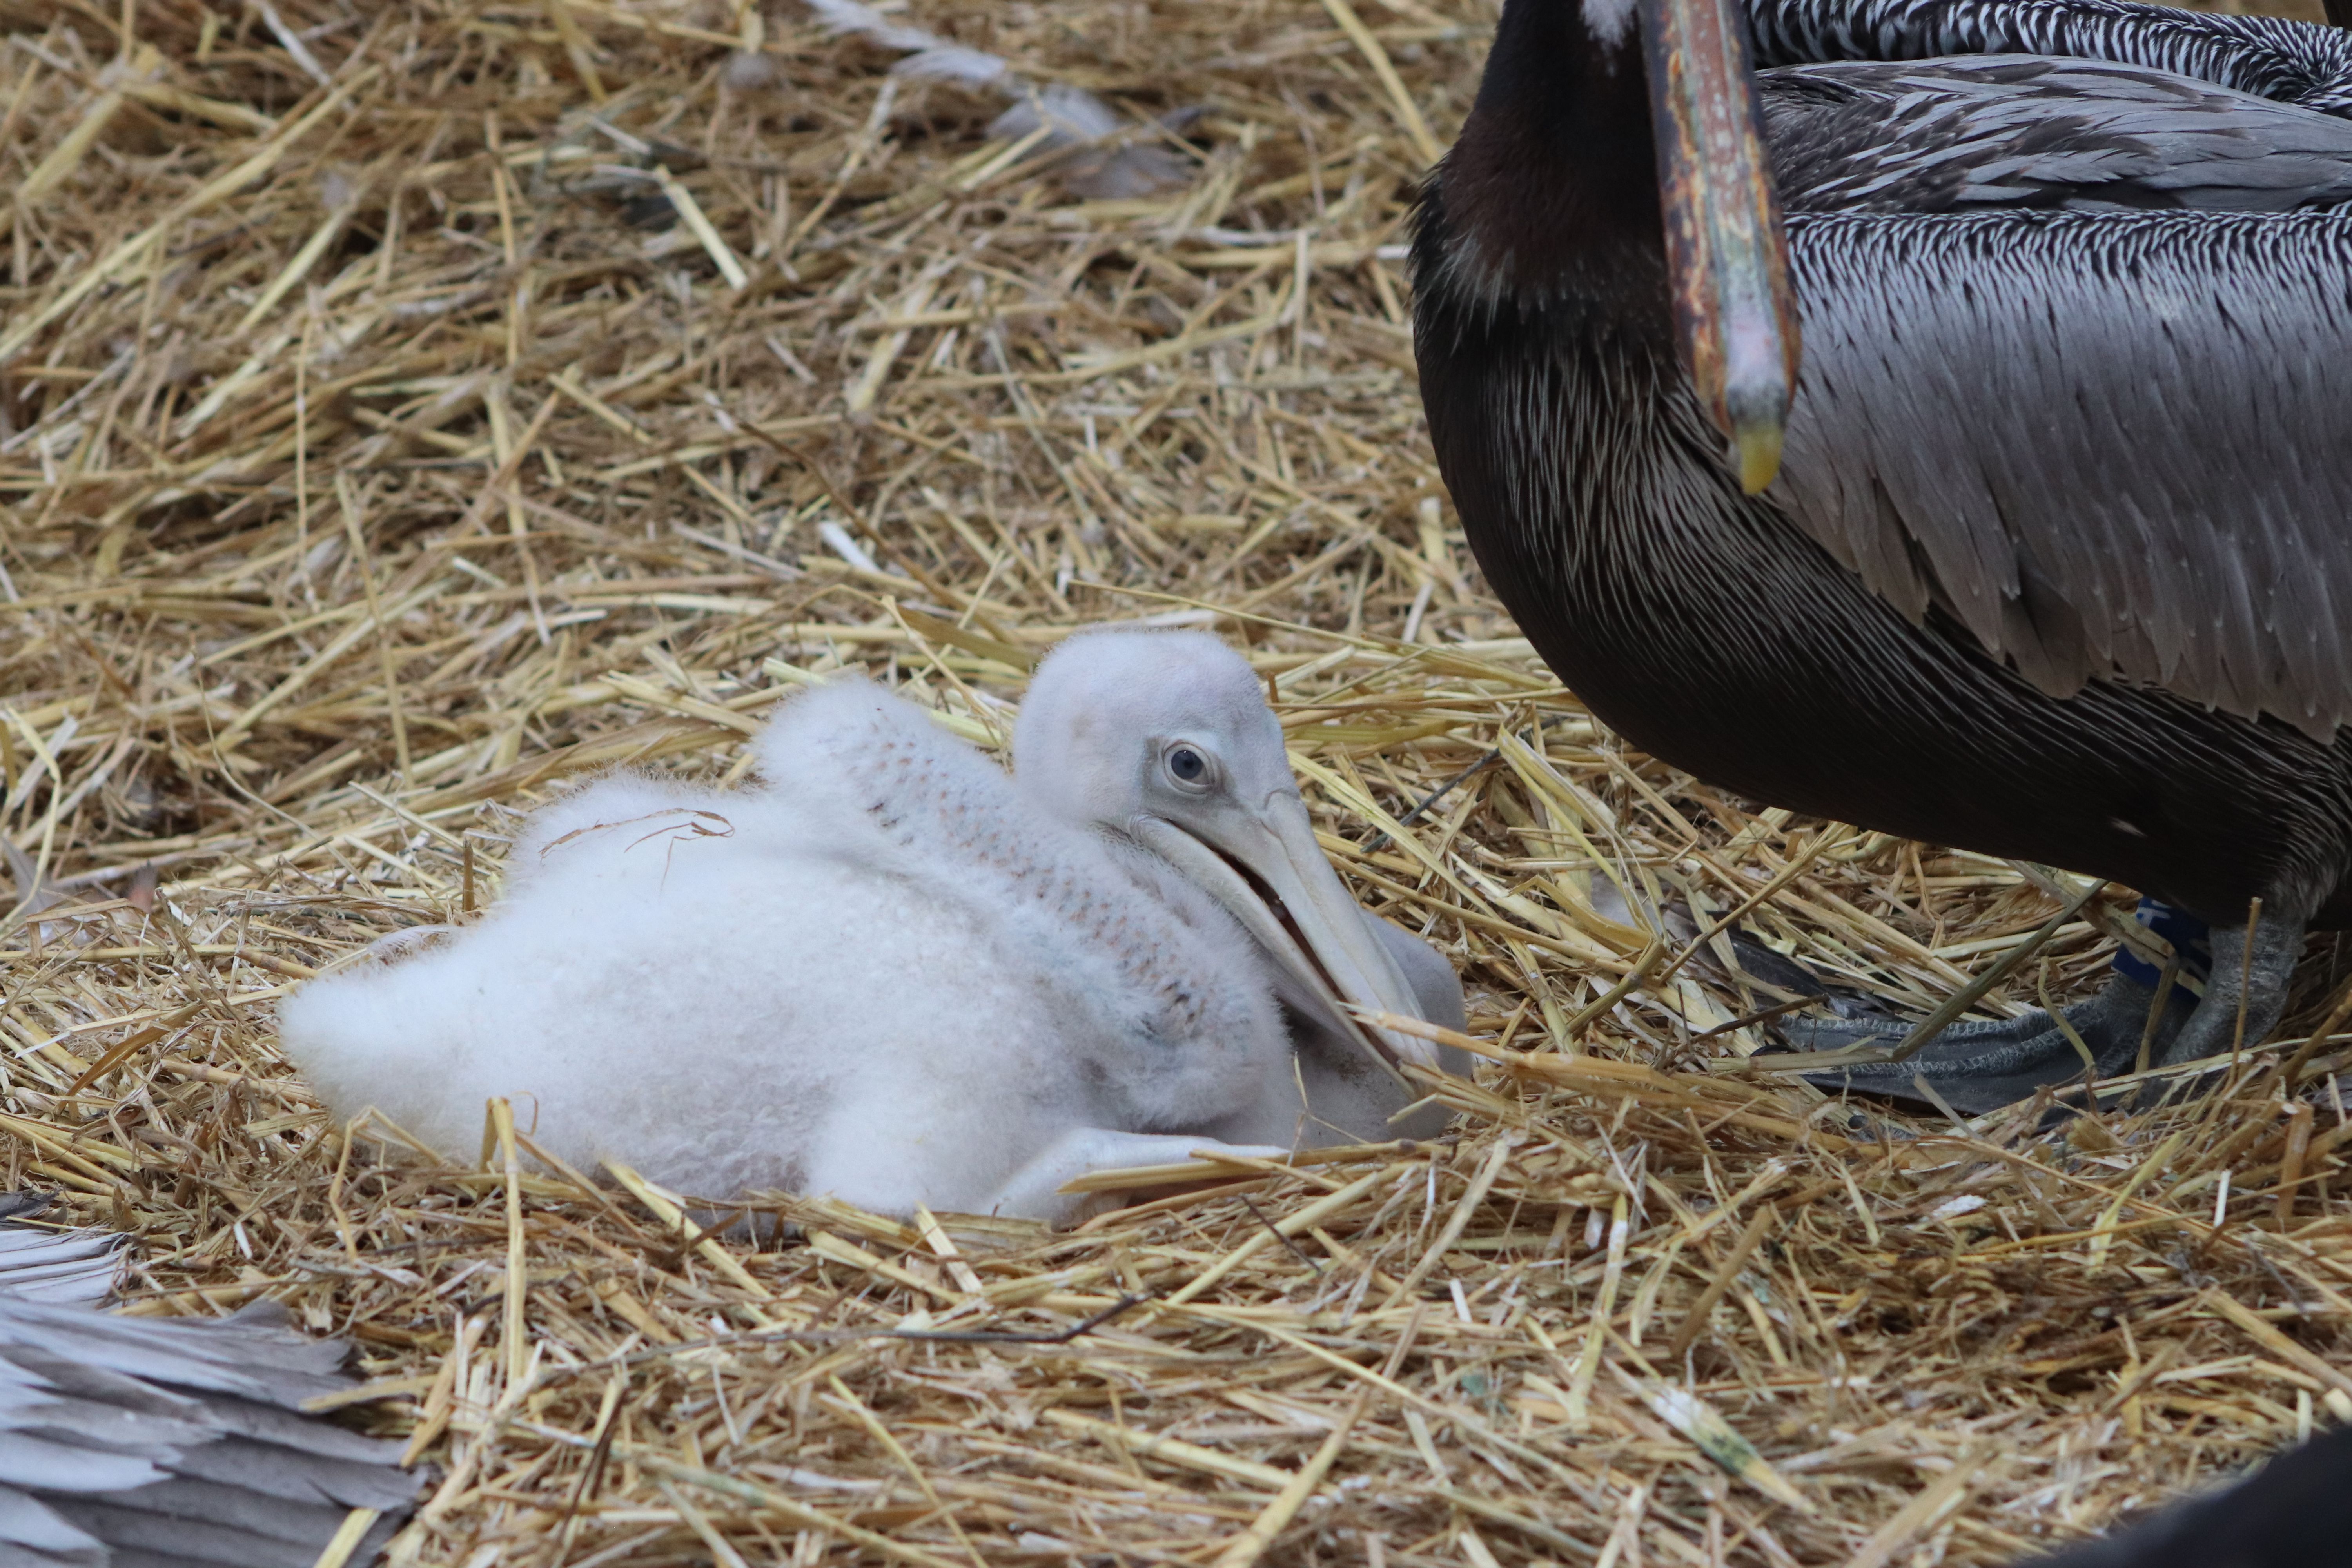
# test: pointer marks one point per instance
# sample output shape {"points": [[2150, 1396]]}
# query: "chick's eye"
{"points": [[1187, 765]]}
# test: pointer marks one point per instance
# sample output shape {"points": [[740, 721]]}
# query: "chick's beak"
{"points": [[1725, 251], [1265, 867]]}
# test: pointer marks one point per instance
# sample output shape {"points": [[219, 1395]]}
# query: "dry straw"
{"points": [[410, 406]]}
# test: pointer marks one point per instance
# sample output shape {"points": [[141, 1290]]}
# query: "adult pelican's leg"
{"points": [[1978, 1067], [1034, 1191], [2247, 990], [2123, 1001], [1981, 1066]]}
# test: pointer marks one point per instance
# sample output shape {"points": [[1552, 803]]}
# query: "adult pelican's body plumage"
{"points": [[2294, 1512], [891, 974], [157, 1443], [2267, 56], [2045, 550]]}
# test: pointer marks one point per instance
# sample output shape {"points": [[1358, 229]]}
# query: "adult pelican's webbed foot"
{"points": [[1982, 1066]]}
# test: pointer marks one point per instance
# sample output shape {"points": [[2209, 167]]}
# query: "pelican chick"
{"points": [[889, 972]]}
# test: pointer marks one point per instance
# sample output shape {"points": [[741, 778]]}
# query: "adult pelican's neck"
{"points": [[1553, 185]]}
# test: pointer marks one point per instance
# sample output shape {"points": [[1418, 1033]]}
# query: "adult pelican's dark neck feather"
{"points": [[2058, 565], [1614, 157], [1551, 194]]}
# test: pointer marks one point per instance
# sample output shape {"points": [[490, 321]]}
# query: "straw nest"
{"points": [[409, 407]]}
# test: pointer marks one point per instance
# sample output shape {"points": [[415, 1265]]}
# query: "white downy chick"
{"points": [[888, 973]]}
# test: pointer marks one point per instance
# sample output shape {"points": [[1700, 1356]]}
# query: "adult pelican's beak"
{"points": [[1264, 865], [1726, 255]]}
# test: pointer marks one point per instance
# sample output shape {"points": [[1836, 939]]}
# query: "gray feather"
{"points": [[234, 1508], [51, 1462], [2136, 419], [269, 1365], [187, 1540], [139, 1443], [268, 1469], [1951, 135], [75, 1267], [292, 1430], [31, 1532], [2293, 62]]}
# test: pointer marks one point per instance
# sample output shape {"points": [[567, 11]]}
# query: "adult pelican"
{"points": [[891, 974], [2294, 1512], [2046, 551], [170, 1443]]}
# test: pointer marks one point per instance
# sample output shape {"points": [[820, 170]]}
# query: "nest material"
{"points": [[409, 407]]}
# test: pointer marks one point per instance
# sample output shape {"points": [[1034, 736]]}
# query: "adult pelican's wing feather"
{"points": [[163, 1441], [2110, 446], [2024, 130], [70, 1266], [2293, 62], [132, 1440]]}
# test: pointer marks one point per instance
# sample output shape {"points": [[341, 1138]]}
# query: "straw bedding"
{"points": [[408, 407]]}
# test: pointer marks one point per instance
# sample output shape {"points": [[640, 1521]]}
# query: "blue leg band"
{"points": [[2189, 936]]}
